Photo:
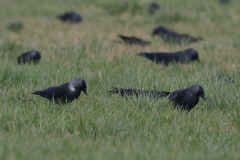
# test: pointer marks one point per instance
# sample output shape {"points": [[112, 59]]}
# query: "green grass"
{"points": [[105, 126]]}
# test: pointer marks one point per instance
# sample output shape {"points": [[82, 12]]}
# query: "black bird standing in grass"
{"points": [[28, 57], [185, 56], [174, 37], [188, 98], [153, 8], [70, 16], [134, 40], [137, 92], [185, 99], [64, 93]]}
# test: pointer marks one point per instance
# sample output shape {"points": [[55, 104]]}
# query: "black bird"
{"points": [[134, 40], [129, 92], [185, 56], [173, 37], [222, 77], [153, 8], [188, 98], [185, 99], [17, 26], [28, 57], [70, 16], [64, 93]]}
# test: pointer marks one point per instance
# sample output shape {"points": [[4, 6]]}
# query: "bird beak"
{"points": [[203, 97], [85, 91]]}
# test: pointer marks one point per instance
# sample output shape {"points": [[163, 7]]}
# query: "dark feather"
{"points": [[174, 37], [137, 92], [28, 57], [71, 16], [134, 40], [188, 98], [64, 93], [185, 56]]}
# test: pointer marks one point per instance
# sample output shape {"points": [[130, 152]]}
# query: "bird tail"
{"points": [[122, 37], [115, 90], [36, 93], [164, 93], [123, 91], [62, 18], [117, 41], [141, 54]]}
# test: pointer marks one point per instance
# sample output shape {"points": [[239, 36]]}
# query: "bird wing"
{"points": [[54, 92], [176, 97], [47, 93], [182, 98]]}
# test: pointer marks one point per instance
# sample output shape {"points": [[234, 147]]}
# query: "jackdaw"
{"points": [[188, 98], [129, 92], [185, 99], [173, 37], [17, 26], [28, 57], [70, 16], [185, 56], [64, 93], [153, 8], [134, 40], [222, 77]]}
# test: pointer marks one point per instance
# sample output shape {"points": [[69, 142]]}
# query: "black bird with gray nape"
{"points": [[64, 93], [185, 56], [28, 57], [71, 17], [137, 92], [188, 98], [174, 37]]}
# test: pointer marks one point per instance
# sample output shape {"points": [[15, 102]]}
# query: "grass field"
{"points": [[105, 126]]}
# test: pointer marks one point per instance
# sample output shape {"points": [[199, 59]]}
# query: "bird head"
{"points": [[192, 54], [79, 84], [198, 90]]}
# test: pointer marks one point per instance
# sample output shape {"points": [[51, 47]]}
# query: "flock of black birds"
{"points": [[185, 99]]}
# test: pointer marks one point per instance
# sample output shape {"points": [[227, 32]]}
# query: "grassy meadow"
{"points": [[104, 126]]}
